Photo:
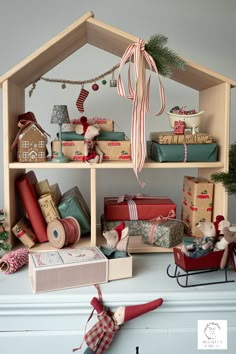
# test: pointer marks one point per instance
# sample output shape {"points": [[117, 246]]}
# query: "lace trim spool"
{"points": [[63, 232]]}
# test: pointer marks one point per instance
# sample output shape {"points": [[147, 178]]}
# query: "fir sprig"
{"points": [[228, 179], [164, 57]]}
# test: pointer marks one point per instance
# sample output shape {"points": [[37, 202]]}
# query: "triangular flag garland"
{"points": [[140, 96]]}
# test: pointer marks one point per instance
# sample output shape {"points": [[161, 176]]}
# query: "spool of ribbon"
{"points": [[141, 99], [14, 260], [63, 232]]}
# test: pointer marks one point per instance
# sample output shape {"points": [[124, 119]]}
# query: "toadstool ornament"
{"points": [[100, 336]]}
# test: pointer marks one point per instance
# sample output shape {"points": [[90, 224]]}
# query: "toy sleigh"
{"points": [[186, 267]]}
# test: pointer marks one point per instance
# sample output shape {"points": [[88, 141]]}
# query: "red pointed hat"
{"points": [[85, 124], [119, 229], [138, 310], [219, 218]]}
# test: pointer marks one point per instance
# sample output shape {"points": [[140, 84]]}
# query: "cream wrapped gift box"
{"points": [[68, 268]]}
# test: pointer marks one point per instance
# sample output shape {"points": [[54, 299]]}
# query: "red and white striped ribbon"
{"points": [[185, 153], [14, 260], [141, 100], [133, 212]]}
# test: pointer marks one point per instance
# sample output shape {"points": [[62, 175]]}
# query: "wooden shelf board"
{"points": [[113, 165], [136, 245]]}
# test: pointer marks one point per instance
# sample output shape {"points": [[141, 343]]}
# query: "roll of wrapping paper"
{"points": [[63, 232], [14, 260]]}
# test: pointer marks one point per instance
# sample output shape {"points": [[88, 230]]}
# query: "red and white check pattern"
{"points": [[100, 336]]}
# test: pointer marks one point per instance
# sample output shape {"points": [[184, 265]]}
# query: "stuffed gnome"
{"points": [[92, 153], [100, 336]]}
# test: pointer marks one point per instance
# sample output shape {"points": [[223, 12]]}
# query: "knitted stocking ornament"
{"points": [[80, 100]]}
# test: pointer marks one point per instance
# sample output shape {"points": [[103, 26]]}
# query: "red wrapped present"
{"points": [[179, 127], [138, 207]]}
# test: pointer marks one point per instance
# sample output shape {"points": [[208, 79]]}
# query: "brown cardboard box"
{"points": [[187, 138], [107, 125], [197, 203], [113, 150]]}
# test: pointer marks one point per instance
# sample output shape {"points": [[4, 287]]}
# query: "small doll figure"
{"points": [[202, 245], [92, 153], [100, 336], [117, 242]]}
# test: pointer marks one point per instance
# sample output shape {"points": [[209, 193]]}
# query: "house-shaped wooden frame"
{"points": [[214, 99]]}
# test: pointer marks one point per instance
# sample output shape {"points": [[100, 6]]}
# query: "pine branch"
{"points": [[164, 57], [228, 179]]}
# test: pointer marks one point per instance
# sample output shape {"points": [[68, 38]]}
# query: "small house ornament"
{"points": [[31, 140]]}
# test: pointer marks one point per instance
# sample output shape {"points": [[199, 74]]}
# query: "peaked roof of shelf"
{"points": [[89, 30]]}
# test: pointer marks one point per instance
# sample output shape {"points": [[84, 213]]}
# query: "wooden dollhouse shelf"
{"points": [[113, 164], [214, 93], [136, 245]]}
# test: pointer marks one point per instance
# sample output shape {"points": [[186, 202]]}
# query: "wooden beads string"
{"points": [[63, 232]]}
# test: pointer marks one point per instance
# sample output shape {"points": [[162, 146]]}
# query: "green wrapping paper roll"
{"points": [[176, 153], [106, 136], [73, 204]]}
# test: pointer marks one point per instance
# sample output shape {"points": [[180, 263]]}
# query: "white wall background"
{"points": [[202, 31]]}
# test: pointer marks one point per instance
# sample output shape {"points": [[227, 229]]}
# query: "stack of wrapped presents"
{"points": [[113, 144], [186, 147], [152, 218]]}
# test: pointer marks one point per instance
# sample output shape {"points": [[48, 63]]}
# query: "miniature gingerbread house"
{"points": [[31, 145]]}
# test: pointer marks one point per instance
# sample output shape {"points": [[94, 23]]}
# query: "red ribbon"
{"points": [[160, 218], [140, 98]]}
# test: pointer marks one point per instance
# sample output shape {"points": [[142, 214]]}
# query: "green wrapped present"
{"points": [[182, 153], [73, 204], [165, 234], [106, 136]]}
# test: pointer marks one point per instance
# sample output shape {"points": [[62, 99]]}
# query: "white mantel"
{"points": [[53, 322]]}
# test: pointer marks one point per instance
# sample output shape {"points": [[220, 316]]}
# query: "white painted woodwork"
{"points": [[54, 322]]}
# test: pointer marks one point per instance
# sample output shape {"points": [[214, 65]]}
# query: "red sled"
{"points": [[211, 262]]}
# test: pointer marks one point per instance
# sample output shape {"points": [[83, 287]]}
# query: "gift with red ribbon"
{"points": [[137, 207], [164, 232], [161, 231], [179, 127]]}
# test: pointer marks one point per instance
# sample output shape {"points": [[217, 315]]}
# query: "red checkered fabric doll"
{"points": [[100, 336]]}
